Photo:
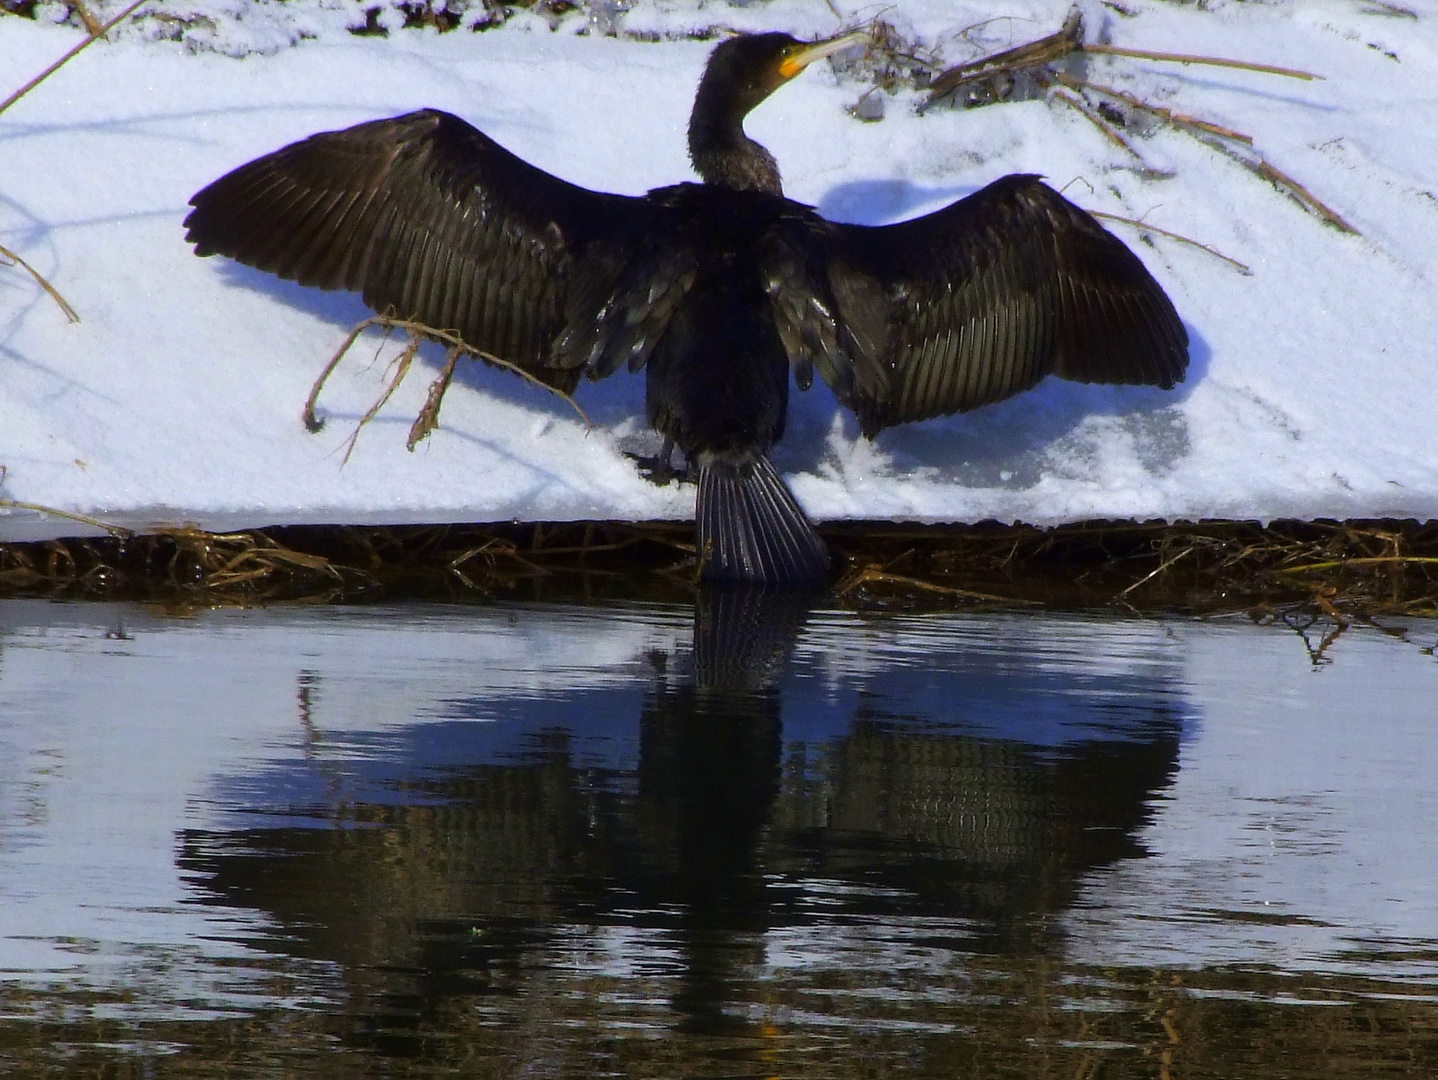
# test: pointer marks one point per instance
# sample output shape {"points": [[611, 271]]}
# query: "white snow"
{"points": [[177, 397]]}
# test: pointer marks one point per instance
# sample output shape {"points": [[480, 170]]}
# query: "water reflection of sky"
{"points": [[146, 759]]}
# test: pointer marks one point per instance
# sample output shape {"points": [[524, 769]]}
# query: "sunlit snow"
{"points": [[177, 397]]}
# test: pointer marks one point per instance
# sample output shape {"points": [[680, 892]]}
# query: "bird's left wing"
{"points": [[432, 220], [981, 300]]}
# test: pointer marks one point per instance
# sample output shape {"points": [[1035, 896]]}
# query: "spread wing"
{"points": [[984, 298], [431, 220]]}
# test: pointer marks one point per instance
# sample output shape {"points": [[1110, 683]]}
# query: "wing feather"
{"points": [[983, 299], [430, 219]]}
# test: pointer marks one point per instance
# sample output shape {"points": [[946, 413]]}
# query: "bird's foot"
{"points": [[658, 469]]}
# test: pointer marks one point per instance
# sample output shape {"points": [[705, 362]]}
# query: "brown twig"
{"points": [[113, 530], [1185, 58], [428, 417], [92, 24], [1373, 561], [873, 573], [313, 423], [58, 64], [1303, 195], [1044, 51], [401, 369], [1397, 11], [1241, 267], [1160, 568], [1176, 118], [1087, 111], [15, 260], [1255, 163], [1040, 58], [444, 337]]}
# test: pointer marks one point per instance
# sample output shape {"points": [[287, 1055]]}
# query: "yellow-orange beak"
{"points": [[805, 55]]}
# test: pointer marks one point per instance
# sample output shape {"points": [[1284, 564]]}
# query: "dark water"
{"points": [[752, 840]]}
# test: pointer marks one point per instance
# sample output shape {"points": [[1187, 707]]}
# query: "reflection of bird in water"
{"points": [[709, 772], [720, 289], [759, 818]]}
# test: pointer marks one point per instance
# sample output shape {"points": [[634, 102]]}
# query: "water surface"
{"points": [[748, 840]]}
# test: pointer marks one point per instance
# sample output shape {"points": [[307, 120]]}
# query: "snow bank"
{"points": [[177, 397]]}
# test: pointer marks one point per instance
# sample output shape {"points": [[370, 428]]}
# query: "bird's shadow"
{"points": [[1011, 444], [883, 202]]}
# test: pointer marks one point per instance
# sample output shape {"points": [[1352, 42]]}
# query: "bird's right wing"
{"points": [[981, 300], [432, 220]]}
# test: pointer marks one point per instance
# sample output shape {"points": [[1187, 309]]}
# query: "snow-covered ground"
{"points": [[177, 397]]}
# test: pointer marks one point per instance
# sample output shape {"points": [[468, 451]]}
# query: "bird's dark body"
{"points": [[718, 379], [721, 290]]}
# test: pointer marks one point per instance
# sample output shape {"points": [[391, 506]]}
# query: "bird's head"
{"points": [[742, 72], [748, 68]]}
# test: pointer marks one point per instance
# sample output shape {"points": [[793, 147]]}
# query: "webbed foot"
{"points": [[659, 469]]}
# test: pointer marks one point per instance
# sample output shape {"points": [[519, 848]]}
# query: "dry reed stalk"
{"points": [[1156, 571], [1395, 10], [1038, 59], [1377, 560], [1215, 137], [1242, 268], [227, 560], [428, 418], [76, 51], [1164, 113], [874, 573], [40, 508], [15, 260], [92, 25], [1302, 194], [1210, 61], [96, 31], [1040, 53], [401, 369], [1366, 569], [1084, 109]]}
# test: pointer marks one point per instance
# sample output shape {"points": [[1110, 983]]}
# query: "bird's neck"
{"points": [[722, 154]]}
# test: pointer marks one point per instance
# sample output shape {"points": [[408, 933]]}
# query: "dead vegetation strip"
{"points": [[1051, 66], [1321, 569]]}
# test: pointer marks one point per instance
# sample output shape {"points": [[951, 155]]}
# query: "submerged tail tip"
{"points": [[750, 530]]}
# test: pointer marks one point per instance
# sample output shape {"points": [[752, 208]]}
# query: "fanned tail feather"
{"points": [[749, 529]]}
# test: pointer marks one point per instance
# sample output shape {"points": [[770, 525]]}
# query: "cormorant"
{"points": [[719, 289]]}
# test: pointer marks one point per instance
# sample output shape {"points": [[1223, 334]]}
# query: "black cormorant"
{"points": [[719, 289]]}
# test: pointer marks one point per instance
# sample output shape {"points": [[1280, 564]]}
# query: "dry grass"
{"points": [[9, 258], [96, 31], [1340, 569], [416, 334], [1049, 66], [1335, 570]]}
